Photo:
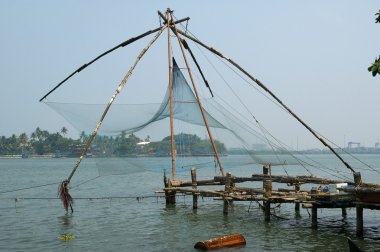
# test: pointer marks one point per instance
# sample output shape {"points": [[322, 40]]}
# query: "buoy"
{"points": [[221, 242]]}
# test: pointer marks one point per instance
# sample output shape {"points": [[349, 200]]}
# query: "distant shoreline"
{"points": [[35, 156]]}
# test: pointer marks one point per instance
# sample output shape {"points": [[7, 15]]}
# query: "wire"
{"points": [[31, 187]]}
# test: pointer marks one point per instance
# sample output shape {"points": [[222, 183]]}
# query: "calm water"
{"points": [[33, 219]]}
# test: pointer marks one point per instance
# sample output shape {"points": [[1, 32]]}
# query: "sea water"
{"points": [[124, 213]]}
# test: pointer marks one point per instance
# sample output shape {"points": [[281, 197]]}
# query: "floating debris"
{"points": [[221, 242], [67, 237]]}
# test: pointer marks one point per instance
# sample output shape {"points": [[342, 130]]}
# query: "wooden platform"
{"points": [[312, 199]]}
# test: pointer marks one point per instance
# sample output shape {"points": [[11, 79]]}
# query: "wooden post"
{"points": [[297, 188], [344, 212], [227, 189], [359, 221], [267, 210], [265, 169], [357, 179], [172, 144], [194, 186], [314, 217], [267, 195], [267, 188], [169, 194]]}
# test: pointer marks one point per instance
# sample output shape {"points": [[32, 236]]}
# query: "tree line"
{"points": [[42, 142]]}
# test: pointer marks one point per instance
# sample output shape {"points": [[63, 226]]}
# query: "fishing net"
{"points": [[228, 126]]}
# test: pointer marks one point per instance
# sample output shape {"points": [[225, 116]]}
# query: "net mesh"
{"points": [[227, 125]]}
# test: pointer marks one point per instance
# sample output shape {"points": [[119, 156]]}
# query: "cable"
{"points": [[31, 187]]}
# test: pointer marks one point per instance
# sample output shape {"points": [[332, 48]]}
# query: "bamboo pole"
{"points": [[197, 96], [120, 87], [172, 144], [123, 44]]}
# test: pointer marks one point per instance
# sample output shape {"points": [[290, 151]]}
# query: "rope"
{"points": [[260, 126], [90, 198], [86, 181], [31, 187]]}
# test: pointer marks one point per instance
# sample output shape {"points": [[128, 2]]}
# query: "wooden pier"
{"points": [[343, 198]]}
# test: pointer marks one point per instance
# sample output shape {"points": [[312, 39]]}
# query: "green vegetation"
{"points": [[375, 67], [41, 142]]}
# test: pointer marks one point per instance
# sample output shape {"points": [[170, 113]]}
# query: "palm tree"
{"points": [[83, 137], [64, 131]]}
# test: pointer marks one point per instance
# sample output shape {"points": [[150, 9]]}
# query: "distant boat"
{"points": [[143, 143]]}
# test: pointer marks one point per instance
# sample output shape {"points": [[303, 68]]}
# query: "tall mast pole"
{"points": [[168, 13], [197, 96]]}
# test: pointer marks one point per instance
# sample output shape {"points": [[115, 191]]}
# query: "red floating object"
{"points": [[221, 242]]}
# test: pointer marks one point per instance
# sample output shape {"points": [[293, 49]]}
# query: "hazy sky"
{"points": [[312, 54]]}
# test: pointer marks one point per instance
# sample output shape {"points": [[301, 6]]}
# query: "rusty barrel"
{"points": [[221, 242]]}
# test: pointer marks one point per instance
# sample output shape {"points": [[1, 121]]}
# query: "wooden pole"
{"points": [[267, 210], [227, 188], [197, 96], [314, 217], [172, 144], [344, 212], [359, 221], [266, 169], [297, 188], [118, 90], [267, 186], [194, 186]]}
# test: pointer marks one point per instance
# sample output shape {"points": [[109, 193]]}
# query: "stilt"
{"points": [[267, 188], [267, 194], [266, 169], [344, 212], [359, 221], [225, 207], [169, 195], [297, 188], [314, 217], [227, 189], [267, 210], [194, 186]]}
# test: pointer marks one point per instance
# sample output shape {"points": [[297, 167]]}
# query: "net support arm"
{"points": [[261, 85], [187, 47], [123, 44], [63, 190]]}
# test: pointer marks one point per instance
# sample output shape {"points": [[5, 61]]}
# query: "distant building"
{"points": [[377, 145], [352, 145]]}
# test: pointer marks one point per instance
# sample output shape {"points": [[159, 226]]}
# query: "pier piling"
{"points": [[359, 221], [194, 186], [314, 217], [297, 188], [227, 189]]}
